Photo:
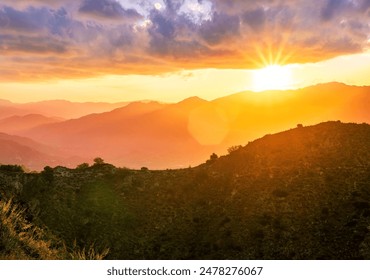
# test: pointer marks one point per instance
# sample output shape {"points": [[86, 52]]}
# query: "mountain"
{"points": [[299, 194], [4, 102], [139, 134], [182, 134], [56, 108], [7, 110], [13, 153], [17, 124], [31, 154], [273, 111]]}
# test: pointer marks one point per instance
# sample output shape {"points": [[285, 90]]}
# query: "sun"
{"points": [[272, 77]]}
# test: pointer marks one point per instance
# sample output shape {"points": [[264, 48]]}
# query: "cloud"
{"points": [[333, 7], [31, 44], [31, 21], [221, 28], [254, 18], [22, 4], [64, 38], [162, 26], [107, 9]]}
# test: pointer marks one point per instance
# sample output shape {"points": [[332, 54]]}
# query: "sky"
{"points": [[167, 50]]}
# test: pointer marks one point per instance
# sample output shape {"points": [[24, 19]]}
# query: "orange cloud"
{"points": [[72, 39]]}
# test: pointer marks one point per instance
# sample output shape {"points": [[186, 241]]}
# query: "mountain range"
{"points": [[160, 136], [56, 108], [31, 154]]}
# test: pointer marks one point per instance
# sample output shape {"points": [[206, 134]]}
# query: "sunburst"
{"points": [[272, 72]]}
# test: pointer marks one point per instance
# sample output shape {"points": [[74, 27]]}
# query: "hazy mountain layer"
{"points": [[17, 124], [178, 135], [56, 108], [31, 154]]}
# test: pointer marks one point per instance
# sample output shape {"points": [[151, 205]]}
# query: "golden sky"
{"points": [[167, 50]]}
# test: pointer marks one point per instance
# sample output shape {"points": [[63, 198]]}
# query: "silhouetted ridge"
{"points": [[347, 142]]}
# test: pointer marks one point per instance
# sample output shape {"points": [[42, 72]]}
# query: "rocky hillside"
{"points": [[299, 194]]}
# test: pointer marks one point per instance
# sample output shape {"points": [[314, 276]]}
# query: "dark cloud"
{"points": [[34, 30], [221, 28], [172, 6], [254, 18], [334, 7], [107, 9], [162, 26], [365, 5], [28, 21], [166, 39]]}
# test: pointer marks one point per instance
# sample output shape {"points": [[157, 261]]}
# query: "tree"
{"points": [[98, 161], [48, 174], [212, 158], [11, 168], [233, 149]]}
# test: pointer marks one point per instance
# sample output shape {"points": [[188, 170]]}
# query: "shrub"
{"points": [[11, 168], [98, 161], [83, 166], [233, 149]]}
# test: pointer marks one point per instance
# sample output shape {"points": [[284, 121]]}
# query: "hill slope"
{"points": [[56, 108], [31, 154], [300, 194], [17, 124]]}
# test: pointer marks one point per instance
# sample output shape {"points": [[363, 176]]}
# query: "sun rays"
{"points": [[272, 73]]}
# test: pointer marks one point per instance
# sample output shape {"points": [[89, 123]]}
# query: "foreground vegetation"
{"points": [[299, 194]]}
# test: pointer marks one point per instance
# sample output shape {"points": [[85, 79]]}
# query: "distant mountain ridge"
{"points": [[17, 124], [182, 134], [31, 154], [56, 108]]}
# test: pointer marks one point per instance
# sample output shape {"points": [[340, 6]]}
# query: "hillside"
{"points": [[6, 110], [184, 133], [300, 194], [21, 240], [17, 124], [56, 108], [31, 154], [127, 131]]}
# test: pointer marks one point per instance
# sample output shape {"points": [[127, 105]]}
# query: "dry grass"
{"points": [[20, 239], [87, 254]]}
